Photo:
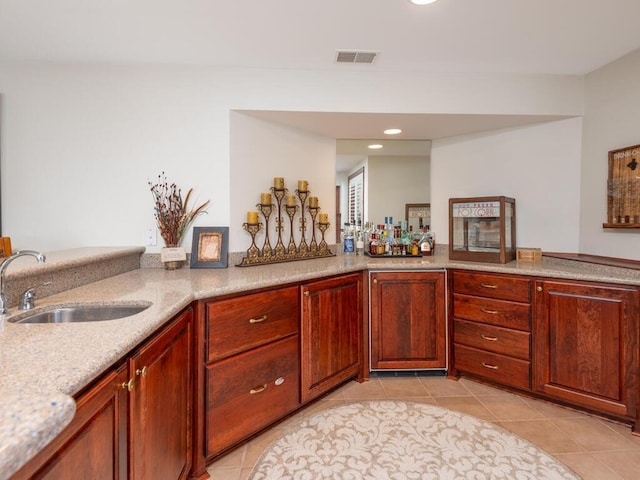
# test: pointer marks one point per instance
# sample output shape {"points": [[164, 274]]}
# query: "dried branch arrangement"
{"points": [[171, 211]]}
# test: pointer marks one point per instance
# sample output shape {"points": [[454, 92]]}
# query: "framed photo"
{"points": [[210, 247]]}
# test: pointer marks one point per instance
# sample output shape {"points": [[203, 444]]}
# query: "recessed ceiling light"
{"points": [[392, 131], [422, 2], [375, 146]]}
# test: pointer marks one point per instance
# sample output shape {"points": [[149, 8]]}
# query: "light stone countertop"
{"points": [[43, 366]]}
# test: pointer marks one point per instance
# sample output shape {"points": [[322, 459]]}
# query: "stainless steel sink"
{"points": [[81, 313]]}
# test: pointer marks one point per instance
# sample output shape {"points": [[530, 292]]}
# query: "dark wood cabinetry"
{"points": [[247, 368], [94, 444], [408, 320], [586, 345], [492, 327], [570, 341], [132, 423], [331, 326], [160, 404]]}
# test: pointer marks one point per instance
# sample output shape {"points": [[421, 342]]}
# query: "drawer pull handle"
{"points": [[488, 365], [258, 320], [491, 339], [279, 381], [130, 385], [259, 389], [488, 285], [491, 312]]}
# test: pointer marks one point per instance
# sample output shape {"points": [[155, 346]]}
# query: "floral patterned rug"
{"points": [[402, 441]]}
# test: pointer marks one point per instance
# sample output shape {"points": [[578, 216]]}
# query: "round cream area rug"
{"points": [[402, 441]]}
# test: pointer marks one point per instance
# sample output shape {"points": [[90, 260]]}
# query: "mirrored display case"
{"points": [[482, 229]]}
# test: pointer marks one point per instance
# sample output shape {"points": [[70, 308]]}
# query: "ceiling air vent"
{"points": [[355, 57]]}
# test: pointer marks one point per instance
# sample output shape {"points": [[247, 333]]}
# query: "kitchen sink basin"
{"points": [[81, 313]]}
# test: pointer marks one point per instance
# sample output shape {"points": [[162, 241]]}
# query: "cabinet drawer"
{"points": [[249, 391], [494, 312], [498, 368], [245, 322], [495, 339], [503, 287]]}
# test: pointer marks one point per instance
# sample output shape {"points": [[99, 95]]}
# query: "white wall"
{"points": [[611, 122], [80, 143], [538, 165], [260, 151]]}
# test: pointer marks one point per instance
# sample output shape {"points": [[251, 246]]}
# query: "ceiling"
{"points": [[495, 36], [524, 36]]}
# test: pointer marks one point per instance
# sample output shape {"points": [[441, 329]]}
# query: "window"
{"points": [[355, 213]]}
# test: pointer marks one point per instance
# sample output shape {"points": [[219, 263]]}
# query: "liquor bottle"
{"points": [[348, 241], [396, 243], [373, 244], [360, 243], [425, 244]]}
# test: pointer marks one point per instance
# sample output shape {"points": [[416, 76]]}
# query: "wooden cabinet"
{"points": [[408, 320], [132, 423], [160, 405], [248, 374], [492, 327], [94, 444], [331, 326], [586, 345]]}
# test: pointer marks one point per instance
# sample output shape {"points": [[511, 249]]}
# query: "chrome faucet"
{"points": [[40, 258]]}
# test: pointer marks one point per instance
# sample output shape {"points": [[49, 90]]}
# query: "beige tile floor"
{"points": [[596, 449]]}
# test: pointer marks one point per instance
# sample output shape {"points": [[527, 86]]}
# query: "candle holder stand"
{"points": [[313, 211], [300, 251], [292, 250], [253, 229], [279, 194], [266, 209], [323, 247]]}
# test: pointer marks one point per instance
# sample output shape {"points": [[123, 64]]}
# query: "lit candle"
{"points": [[265, 198], [324, 218], [291, 200], [252, 218], [278, 183], [303, 185], [313, 202]]}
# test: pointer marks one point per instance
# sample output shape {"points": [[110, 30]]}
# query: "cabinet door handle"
{"points": [[491, 312], [259, 389], [539, 288], [128, 385], [488, 365], [375, 280], [142, 371], [491, 339], [488, 285], [258, 320], [306, 293]]}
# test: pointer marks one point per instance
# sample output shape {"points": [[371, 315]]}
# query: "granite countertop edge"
{"points": [[43, 366]]}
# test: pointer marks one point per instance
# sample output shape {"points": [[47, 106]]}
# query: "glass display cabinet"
{"points": [[482, 229]]}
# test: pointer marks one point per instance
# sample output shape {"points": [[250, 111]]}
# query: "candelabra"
{"points": [[296, 205]]}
